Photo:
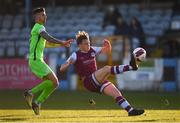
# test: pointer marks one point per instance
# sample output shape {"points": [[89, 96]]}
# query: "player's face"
{"points": [[85, 45], [42, 17]]}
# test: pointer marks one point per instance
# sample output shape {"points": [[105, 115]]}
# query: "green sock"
{"points": [[46, 91], [39, 87]]}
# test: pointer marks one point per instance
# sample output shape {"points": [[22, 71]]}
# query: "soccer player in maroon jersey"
{"points": [[95, 80]]}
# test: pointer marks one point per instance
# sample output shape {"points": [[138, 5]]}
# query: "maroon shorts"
{"points": [[91, 84]]}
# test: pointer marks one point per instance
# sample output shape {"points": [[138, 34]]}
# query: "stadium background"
{"points": [[157, 77]]}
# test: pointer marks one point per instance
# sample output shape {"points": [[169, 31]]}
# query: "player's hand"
{"points": [[68, 42], [107, 44]]}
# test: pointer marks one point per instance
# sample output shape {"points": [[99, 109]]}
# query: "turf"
{"points": [[88, 116], [74, 106]]}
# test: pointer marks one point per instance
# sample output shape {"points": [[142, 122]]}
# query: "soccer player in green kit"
{"points": [[39, 40]]}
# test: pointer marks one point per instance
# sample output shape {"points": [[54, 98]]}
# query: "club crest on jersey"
{"points": [[92, 54]]}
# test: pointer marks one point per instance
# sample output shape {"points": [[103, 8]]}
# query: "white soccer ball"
{"points": [[139, 54]]}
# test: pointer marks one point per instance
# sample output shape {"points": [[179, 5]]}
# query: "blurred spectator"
{"points": [[176, 8], [175, 23], [137, 35], [122, 28], [110, 17]]}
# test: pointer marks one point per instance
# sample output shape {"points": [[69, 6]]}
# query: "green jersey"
{"points": [[37, 43]]}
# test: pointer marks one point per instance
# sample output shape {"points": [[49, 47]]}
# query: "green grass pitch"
{"points": [[74, 106]]}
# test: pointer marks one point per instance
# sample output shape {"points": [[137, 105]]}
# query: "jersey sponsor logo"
{"points": [[88, 61], [93, 54]]}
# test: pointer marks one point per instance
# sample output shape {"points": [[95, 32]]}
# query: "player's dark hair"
{"points": [[38, 10], [81, 36]]}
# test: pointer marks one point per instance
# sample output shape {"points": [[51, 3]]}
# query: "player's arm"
{"points": [[51, 45], [70, 60], [106, 46], [53, 42], [66, 65]]}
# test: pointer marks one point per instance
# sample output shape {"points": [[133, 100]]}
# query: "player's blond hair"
{"points": [[81, 35]]}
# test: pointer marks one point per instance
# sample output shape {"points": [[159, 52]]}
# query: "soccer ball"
{"points": [[139, 54]]}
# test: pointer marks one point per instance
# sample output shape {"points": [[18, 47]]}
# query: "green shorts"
{"points": [[39, 68]]}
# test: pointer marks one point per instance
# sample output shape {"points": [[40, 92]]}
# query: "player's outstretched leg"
{"points": [[28, 96], [103, 73], [133, 65], [112, 91]]}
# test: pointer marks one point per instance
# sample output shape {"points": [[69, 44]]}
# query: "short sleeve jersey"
{"points": [[85, 63], [37, 43]]}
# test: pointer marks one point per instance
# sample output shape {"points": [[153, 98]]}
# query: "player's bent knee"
{"points": [[56, 83], [107, 68]]}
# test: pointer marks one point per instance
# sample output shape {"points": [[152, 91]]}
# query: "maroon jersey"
{"points": [[86, 62]]}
